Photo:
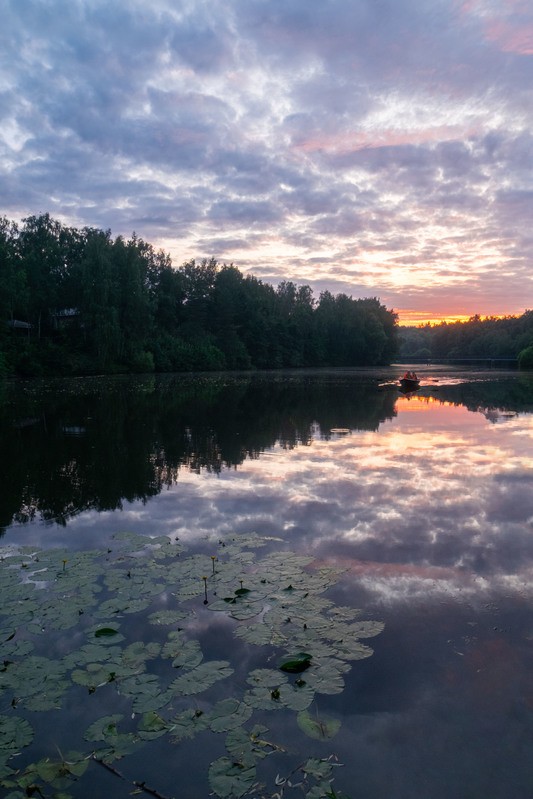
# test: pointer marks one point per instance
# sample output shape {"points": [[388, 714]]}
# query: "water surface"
{"points": [[424, 500]]}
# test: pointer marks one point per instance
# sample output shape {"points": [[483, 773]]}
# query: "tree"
{"points": [[525, 358], [99, 300], [13, 285], [47, 250]]}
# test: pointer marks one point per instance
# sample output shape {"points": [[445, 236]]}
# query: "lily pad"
{"points": [[229, 714], [297, 663], [187, 724], [202, 677], [317, 727], [104, 728], [151, 726], [228, 777], [15, 733]]}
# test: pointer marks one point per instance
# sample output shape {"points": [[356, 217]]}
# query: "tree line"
{"points": [[78, 301], [492, 337]]}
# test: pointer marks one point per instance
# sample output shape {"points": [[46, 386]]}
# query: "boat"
{"points": [[409, 384]]}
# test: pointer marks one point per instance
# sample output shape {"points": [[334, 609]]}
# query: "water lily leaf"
{"points": [[279, 604], [248, 746], [151, 726], [37, 681], [169, 616], [190, 655], [202, 677], [136, 654], [318, 769], [261, 633], [263, 698], [129, 539], [15, 650], [327, 678], [317, 727], [119, 746], [92, 653], [296, 697], [146, 691], [297, 663], [187, 724], [103, 728], [175, 641], [245, 609], [189, 589], [229, 714], [15, 733], [49, 700], [230, 778], [351, 650], [105, 632], [60, 615], [120, 605], [95, 675], [366, 629], [60, 773], [266, 678]]}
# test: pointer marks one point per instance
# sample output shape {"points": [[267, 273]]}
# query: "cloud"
{"points": [[342, 139]]}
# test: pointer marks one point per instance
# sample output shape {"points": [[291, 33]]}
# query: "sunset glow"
{"points": [[372, 151]]}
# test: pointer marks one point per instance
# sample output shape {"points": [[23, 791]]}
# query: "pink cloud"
{"points": [[353, 141], [510, 37]]}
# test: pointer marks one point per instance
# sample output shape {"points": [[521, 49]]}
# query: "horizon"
{"points": [[369, 150]]}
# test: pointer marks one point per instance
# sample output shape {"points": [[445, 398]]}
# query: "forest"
{"points": [[80, 302], [508, 337]]}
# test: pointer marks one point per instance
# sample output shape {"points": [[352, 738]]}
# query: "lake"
{"points": [[243, 583]]}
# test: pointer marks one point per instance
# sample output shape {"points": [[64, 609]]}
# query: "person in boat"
{"points": [[410, 376]]}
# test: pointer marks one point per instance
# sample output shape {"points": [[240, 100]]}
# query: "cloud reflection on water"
{"points": [[437, 501]]}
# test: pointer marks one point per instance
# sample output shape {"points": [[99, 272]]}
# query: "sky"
{"points": [[378, 148]]}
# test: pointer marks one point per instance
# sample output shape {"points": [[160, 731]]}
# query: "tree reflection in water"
{"points": [[93, 443]]}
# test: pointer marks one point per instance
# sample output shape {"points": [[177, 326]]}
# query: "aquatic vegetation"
{"points": [[67, 623]]}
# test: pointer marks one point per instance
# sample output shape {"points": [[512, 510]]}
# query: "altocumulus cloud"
{"points": [[379, 149]]}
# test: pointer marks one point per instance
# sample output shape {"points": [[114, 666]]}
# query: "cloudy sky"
{"points": [[376, 147]]}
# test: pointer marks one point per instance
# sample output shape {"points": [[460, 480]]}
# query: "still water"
{"points": [[423, 501]]}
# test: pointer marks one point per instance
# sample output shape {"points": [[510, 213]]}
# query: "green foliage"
{"points": [[525, 358], [179, 696], [90, 304], [317, 727], [297, 663], [488, 338]]}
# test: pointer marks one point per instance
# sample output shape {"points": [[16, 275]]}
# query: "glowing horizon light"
{"points": [[408, 318]]}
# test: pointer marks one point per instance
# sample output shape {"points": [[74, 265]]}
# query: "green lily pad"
{"points": [[229, 778], [15, 733], [152, 726], [202, 677], [105, 632], [280, 606], [297, 663], [317, 727], [247, 746], [103, 728], [229, 714], [187, 724]]}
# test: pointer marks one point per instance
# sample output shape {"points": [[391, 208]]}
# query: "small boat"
{"points": [[409, 384]]}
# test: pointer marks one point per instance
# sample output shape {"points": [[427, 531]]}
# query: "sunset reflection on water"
{"points": [[426, 506]]}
